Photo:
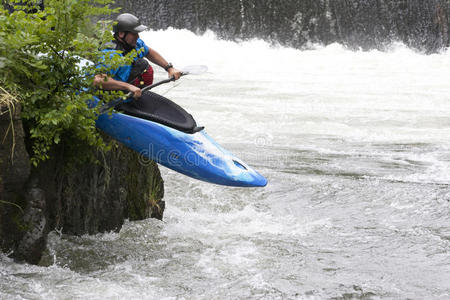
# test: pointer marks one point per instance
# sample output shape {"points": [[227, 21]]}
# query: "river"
{"points": [[355, 146]]}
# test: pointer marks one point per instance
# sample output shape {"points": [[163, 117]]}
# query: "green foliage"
{"points": [[41, 55]]}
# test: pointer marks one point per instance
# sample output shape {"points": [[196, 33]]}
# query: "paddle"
{"points": [[188, 70]]}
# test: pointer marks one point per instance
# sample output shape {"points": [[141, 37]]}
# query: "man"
{"points": [[132, 77]]}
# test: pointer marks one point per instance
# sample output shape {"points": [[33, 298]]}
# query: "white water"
{"points": [[356, 149]]}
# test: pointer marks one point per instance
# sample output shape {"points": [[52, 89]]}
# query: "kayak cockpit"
{"points": [[156, 108]]}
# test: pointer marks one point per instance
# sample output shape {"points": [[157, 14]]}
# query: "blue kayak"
{"points": [[168, 135]]}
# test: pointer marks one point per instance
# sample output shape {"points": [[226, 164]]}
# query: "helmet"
{"points": [[128, 22]]}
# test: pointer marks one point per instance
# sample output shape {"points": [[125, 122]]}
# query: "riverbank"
{"points": [[72, 198]]}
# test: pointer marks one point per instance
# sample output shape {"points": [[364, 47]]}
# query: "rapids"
{"points": [[355, 146]]}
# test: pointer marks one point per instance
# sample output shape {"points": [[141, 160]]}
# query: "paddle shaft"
{"points": [[194, 70], [117, 101]]}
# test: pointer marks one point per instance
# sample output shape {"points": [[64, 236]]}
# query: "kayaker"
{"points": [[139, 74]]}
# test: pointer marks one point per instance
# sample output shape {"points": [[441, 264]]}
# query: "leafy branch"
{"points": [[40, 58]]}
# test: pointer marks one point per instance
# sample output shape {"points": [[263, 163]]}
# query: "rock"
{"points": [[75, 198], [14, 173], [98, 197], [14, 159], [33, 242]]}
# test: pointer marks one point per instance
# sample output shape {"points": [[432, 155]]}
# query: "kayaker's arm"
{"points": [[156, 58], [108, 83]]}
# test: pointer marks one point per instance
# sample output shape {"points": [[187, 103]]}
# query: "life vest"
{"points": [[140, 72]]}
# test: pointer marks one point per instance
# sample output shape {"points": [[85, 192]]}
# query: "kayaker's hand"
{"points": [[174, 73], [137, 93]]}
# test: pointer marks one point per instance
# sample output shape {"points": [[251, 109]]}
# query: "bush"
{"points": [[41, 51]]}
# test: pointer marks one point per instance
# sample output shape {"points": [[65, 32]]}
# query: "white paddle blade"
{"points": [[194, 70]]}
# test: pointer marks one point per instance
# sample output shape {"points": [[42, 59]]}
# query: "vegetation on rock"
{"points": [[44, 60]]}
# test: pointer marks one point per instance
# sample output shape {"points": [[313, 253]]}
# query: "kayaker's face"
{"points": [[131, 38]]}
